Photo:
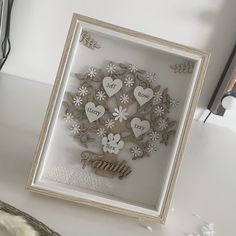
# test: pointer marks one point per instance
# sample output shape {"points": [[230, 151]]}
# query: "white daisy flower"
{"points": [[101, 132], [124, 98], [162, 124], [100, 95], [68, 117], [83, 91], [159, 111], [91, 72], [151, 148], [77, 101], [109, 124], [136, 151], [129, 81], [174, 102], [120, 114], [133, 68], [154, 136], [157, 97], [151, 77], [75, 129], [111, 68]]}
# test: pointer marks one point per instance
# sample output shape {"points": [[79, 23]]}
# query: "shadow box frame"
{"points": [[200, 59]]}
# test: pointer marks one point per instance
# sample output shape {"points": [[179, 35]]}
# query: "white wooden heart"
{"points": [[139, 127], [92, 112], [111, 86], [143, 95]]}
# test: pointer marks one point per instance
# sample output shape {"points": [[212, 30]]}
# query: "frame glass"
{"points": [[96, 150]]}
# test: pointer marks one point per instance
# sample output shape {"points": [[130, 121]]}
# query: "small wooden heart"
{"points": [[143, 95], [139, 127], [94, 113], [111, 86]]}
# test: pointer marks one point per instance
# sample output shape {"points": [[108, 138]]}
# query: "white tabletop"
{"points": [[206, 184]]}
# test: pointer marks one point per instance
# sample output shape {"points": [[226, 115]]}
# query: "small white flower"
{"points": [[68, 117], [151, 77], [133, 68], [109, 124], [120, 114], [100, 95], [101, 132], [91, 72], [83, 91], [151, 148], [124, 98], [77, 101], [159, 111], [129, 81], [162, 124], [154, 136], [157, 97], [136, 151], [112, 143], [75, 129], [111, 68], [174, 102]]}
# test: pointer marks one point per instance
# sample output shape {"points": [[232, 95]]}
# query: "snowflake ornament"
{"points": [[159, 111], [101, 132], [157, 97], [162, 124], [133, 68], [151, 77], [75, 129], [129, 82], [154, 136], [112, 143], [120, 114], [100, 95], [77, 101], [111, 68], [91, 72], [83, 91], [124, 98], [136, 151], [109, 124], [68, 117]]}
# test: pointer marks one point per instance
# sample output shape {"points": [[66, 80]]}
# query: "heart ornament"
{"points": [[139, 127], [92, 112], [143, 95], [111, 86]]}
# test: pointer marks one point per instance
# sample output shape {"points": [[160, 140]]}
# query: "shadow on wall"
{"points": [[220, 43]]}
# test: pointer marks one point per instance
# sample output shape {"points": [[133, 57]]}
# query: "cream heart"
{"points": [[111, 86], [92, 112], [139, 127], [143, 95]]}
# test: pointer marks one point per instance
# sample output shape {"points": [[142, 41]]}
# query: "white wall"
{"points": [[39, 30]]}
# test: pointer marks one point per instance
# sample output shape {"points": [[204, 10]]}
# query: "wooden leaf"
{"points": [[88, 41]]}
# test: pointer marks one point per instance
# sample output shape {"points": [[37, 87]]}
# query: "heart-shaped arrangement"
{"points": [[92, 112], [143, 95], [139, 127], [111, 86]]}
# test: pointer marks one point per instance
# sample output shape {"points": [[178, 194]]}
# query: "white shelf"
{"points": [[203, 186]]}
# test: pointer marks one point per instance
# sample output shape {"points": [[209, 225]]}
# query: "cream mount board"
{"points": [[117, 120]]}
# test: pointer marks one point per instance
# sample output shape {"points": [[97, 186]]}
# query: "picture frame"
{"points": [[146, 192]]}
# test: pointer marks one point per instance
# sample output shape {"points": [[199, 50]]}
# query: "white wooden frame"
{"points": [[201, 61]]}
